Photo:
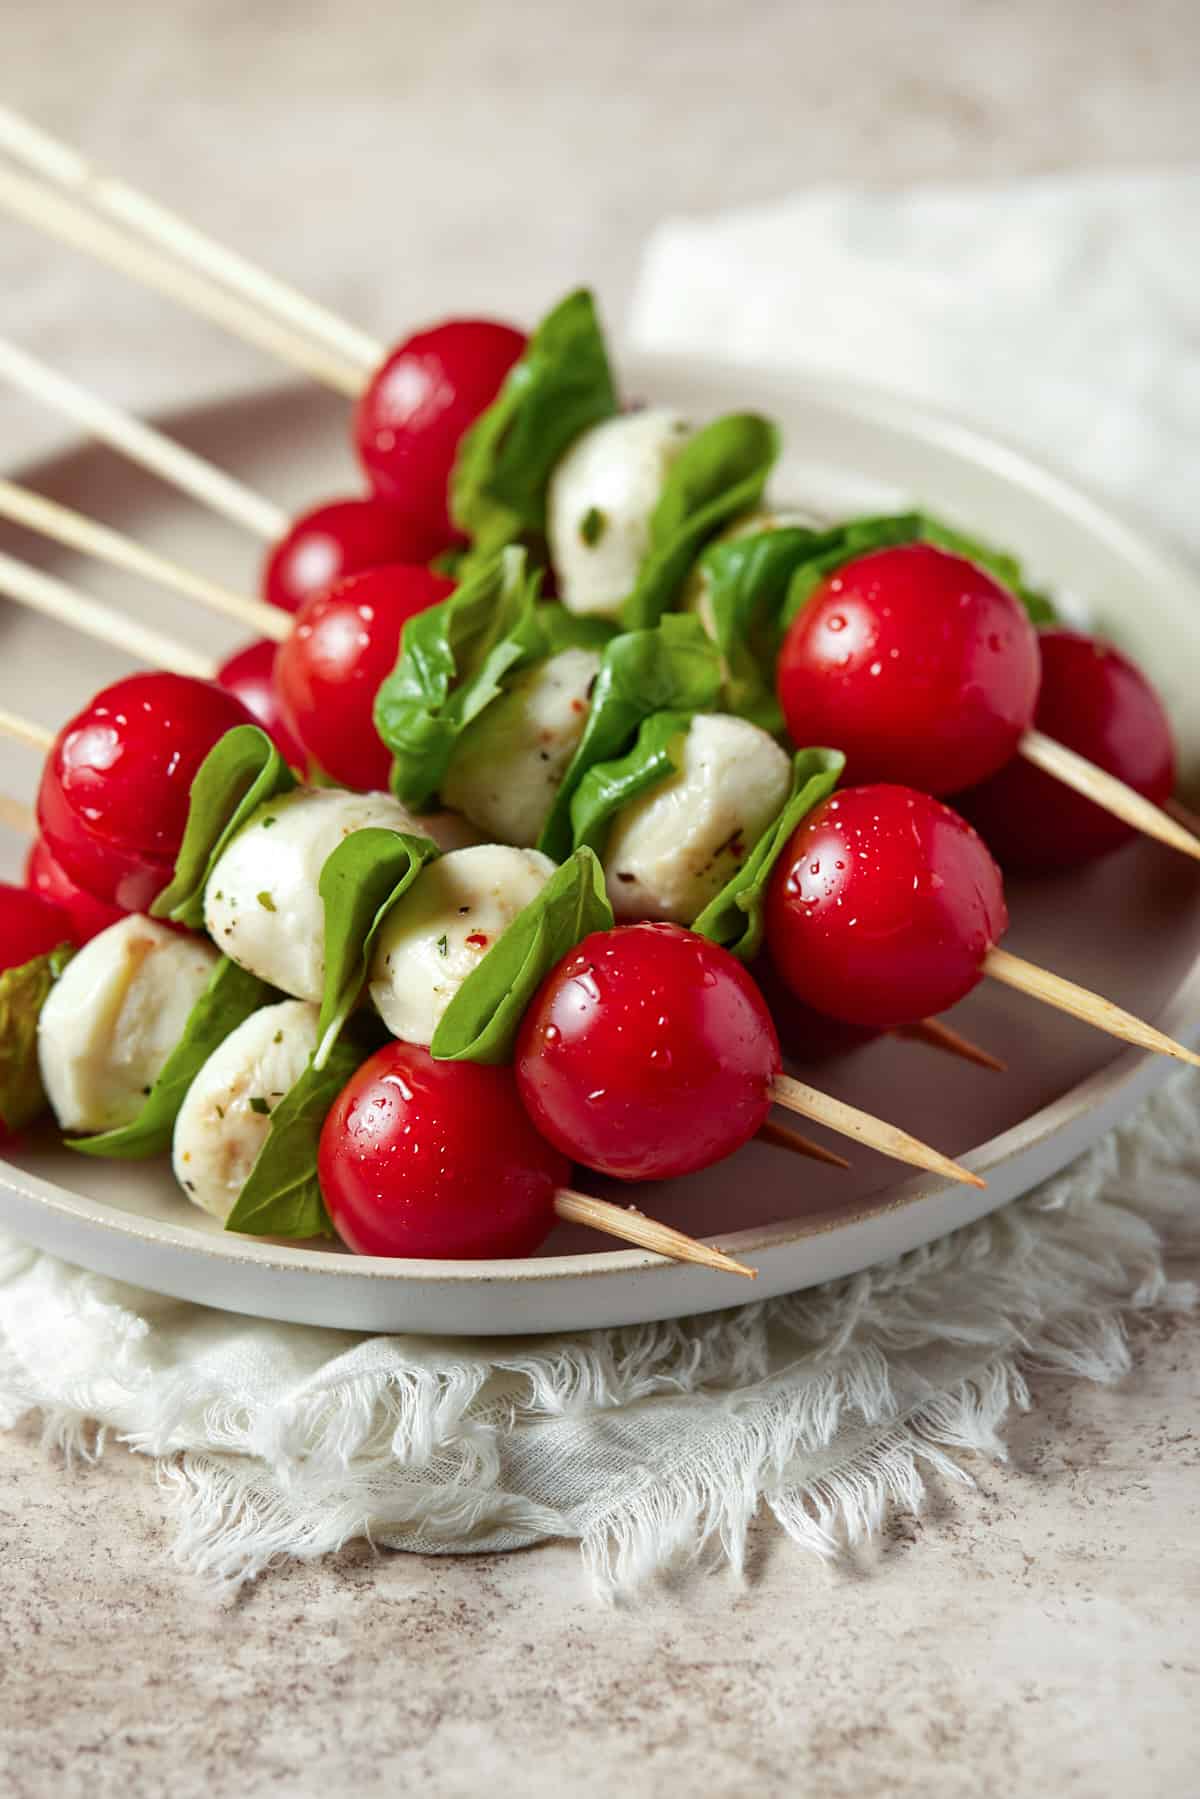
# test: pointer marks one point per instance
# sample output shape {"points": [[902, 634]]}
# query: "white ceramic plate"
{"points": [[1130, 927]]}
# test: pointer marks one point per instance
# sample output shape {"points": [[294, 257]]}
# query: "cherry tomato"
{"points": [[408, 423], [343, 537], [647, 1053], [917, 664], [806, 1035], [30, 925], [87, 916], [250, 675], [883, 906], [425, 1158], [1095, 701], [113, 801], [328, 672]]}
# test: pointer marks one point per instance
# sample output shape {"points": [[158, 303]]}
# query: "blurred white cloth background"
{"points": [[1065, 314]]}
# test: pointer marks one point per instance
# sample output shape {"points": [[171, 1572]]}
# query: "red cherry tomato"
{"points": [[87, 916], [343, 537], [883, 906], [647, 1053], [114, 795], [1095, 701], [408, 423], [917, 664], [806, 1035], [250, 675], [328, 672], [30, 925], [425, 1158]]}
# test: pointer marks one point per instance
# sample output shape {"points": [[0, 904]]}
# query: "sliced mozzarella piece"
{"points": [[226, 1113], [261, 905], [508, 766], [695, 596], [671, 851], [113, 1018], [443, 927], [600, 502]]}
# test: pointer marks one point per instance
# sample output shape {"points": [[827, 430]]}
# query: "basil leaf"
{"points": [[24, 990], [672, 668], [282, 1195], [719, 473], [859, 536], [480, 1024], [734, 918], [360, 882], [608, 786], [559, 387], [229, 998], [453, 657], [746, 587], [239, 773]]}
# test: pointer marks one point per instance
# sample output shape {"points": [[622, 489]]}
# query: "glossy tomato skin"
{"points": [[412, 416], [30, 925], [647, 1053], [86, 915], [1098, 703], [113, 801], [917, 664], [249, 674], [329, 670], [344, 537], [437, 1159], [882, 907], [806, 1035]]}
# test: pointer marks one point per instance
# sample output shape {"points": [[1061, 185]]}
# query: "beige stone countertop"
{"points": [[1039, 1635]]}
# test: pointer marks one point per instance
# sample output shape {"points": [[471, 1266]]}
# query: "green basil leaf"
{"points": [[672, 668], [360, 882], [453, 658], [734, 918], [480, 1024], [229, 998], [561, 385], [719, 473], [609, 786], [746, 585], [239, 773], [282, 1195], [24, 990]]}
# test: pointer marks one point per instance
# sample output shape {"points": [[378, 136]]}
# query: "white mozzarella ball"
{"points": [[261, 904], [226, 1113], [443, 927], [511, 760], [600, 502], [695, 595], [671, 851], [113, 1018]]}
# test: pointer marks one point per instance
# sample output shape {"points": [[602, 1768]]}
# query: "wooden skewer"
{"points": [[781, 1136], [633, 1227], [93, 539], [47, 211], [1105, 790], [936, 1035], [1183, 815], [151, 449], [1079, 1002], [45, 593], [888, 1139], [23, 730], [58, 163]]}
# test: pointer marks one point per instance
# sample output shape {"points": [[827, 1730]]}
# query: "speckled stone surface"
{"points": [[1038, 1635]]}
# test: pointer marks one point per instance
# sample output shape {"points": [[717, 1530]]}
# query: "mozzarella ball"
{"points": [[600, 502], [261, 904], [671, 851], [511, 760], [114, 1017], [696, 596], [443, 927], [226, 1113]]}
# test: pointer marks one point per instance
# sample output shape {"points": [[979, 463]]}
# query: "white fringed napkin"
{"points": [[1065, 313]]}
